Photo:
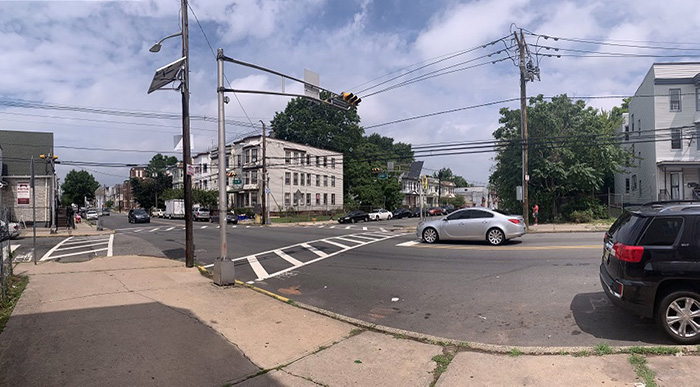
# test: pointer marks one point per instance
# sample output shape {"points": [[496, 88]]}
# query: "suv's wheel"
{"points": [[495, 236], [679, 316], [430, 235], [352, 220]]}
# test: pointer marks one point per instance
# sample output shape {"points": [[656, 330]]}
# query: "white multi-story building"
{"points": [[662, 130], [203, 171], [300, 177]]}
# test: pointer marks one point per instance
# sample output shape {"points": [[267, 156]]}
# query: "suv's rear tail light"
{"points": [[628, 253], [514, 221]]}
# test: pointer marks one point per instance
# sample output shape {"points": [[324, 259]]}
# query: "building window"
{"points": [[325, 199], [675, 99], [318, 180], [238, 160], [308, 179], [296, 158], [627, 132], [333, 199], [318, 199], [332, 181], [639, 126], [697, 99], [296, 200], [634, 182], [296, 178], [287, 176], [247, 177], [287, 157], [325, 180], [325, 162], [301, 179], [254, 177], [632, 122], [308, 199], [254, 155], [247, 156], [627, 185], [308, 159], [676, 138], [333, 162], [697, 137], [287, 197], [204, 168], [318, 161]]}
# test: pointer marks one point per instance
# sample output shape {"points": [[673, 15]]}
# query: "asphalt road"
{"points": [[539, 290]]}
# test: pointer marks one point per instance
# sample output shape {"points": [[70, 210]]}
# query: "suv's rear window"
{"points": [[626, 228], [662, 232]]}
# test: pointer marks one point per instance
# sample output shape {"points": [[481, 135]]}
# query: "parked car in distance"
{"points": [[651, 266], [472, 224], [9, 230], [105, 212], [380, 214], [401, 213], [138, 215], [91, 214], [200, 213], [415, 213], [157, 212], [231, 217], [435, 211], [354, 216]]}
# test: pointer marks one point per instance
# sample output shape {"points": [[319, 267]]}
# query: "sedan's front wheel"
{"points": [[430, 235], [679, 316], [495, 236]]}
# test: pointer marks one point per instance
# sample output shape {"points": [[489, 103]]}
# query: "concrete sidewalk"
{"points": [[151, 321], [84, 228]]}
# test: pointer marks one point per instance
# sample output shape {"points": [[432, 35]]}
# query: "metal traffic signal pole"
{"points": [[222, 161], [265, 215]]}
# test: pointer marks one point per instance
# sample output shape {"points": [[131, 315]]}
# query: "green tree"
{"points": [[77, 187], [109, 203], [148, 192], [159, 164], [572, 151], [205, 198]]}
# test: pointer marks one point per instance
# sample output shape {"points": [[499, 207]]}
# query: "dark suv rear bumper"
{"points": [[631, 291]]}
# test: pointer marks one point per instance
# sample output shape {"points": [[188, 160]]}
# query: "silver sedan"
{"points": [[473, 224]]}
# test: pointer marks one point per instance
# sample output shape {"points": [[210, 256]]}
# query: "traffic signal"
{"points": [[376, 170], [231, 174], [351, 98], [51, 157]]}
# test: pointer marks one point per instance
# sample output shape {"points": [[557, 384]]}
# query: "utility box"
{"points": [[223, 274]]}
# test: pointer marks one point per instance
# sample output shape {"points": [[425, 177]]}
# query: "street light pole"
{"points": [[222, 158], [264, 178], [189, 245]]}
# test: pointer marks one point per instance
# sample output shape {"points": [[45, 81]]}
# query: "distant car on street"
{"points": [[231, 217], [91, 214], [105, 212], [9, 230], [200, 213], [380, 214], [473, 225], [138, 215], [401, 213], [157, 212], [435, 211], [354, 216]]}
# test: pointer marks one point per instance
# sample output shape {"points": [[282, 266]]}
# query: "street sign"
{"points": [[382, 176], [267, 190], [237, 182]]}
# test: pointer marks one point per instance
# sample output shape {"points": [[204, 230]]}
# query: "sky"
{"points": [[81, 69]]}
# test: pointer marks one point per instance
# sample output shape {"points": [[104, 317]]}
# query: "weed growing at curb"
{"points": [[355, 332], [442, 361], [515, 352], [581, 354], [14, 286], [642, 370], [602, 349], [654, 350], [290, 302]]}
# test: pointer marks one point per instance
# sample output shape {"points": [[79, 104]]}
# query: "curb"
{"points": [[476, 346]]}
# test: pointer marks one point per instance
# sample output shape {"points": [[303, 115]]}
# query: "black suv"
{"points": [[651, 266]]}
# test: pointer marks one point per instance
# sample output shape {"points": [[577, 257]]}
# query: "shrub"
{"points": [[582, 216]]}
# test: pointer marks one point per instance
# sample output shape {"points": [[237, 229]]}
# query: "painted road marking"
{"points": [[262, 274], [364, 228], [382, 229], [287, 257], [203, 227], [409, 243], [313, 250], [331, 227], [77, 253], [138, 230], [349, 240], [72, 246], [155, 229], [348, 227], [110, 247], [48, 253], [169, 228], [13, 248]]}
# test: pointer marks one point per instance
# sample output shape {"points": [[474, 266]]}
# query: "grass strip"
{"points": [[14, 286], [642, 370]]}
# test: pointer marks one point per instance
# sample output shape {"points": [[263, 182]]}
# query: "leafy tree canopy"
{"points": [[159, 163], [572, 153], [78, 186], [447, 175]]}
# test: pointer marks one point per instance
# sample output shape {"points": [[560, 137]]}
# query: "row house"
{"points": [[299, 177], [410, 185], [661, 131]]}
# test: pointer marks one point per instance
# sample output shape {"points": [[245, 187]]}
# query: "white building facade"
{"points": [[665, 109], [300, 177]]}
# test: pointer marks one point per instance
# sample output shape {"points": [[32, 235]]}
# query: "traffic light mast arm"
{"points": [[328, 101]]}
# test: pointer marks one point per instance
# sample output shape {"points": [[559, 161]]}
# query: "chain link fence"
{"points": [[5, 250]]}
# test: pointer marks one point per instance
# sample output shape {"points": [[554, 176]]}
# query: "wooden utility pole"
{"points": [[523, 123]]}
